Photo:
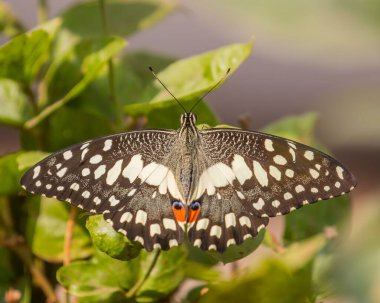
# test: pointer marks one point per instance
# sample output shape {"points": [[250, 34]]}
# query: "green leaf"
{"points": [[9, 24], [313, 219], [68, 76], [107, 240], [197, 271], [124, 17], [283, 278], [23, 56], [96, 278], [46, 227], [188, 78], [132, 79], [166, 276], [237, 252], [82, 126], [15, 108], [11, 170], [298, 128]]}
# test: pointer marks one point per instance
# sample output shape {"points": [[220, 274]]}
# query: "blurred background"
{"points": [[321, 56]]}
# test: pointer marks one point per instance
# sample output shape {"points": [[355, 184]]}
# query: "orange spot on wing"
{"points": [[193, 215], [180, 214]]}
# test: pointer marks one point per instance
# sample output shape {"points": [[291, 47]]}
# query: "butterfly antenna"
{"points": [[212, 88], [164, 86]]}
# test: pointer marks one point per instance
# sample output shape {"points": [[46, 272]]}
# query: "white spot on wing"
{"points": [[339, 171], [141, 217], [62, 172], [114, 172], [221, 174], [288, 196], [86, 194], [113, 201], [260, 173], [156, 177], [259, 204], [67, 155], [279, 160], [96, 159], [197, 243], [275, 172], [241, 169], [314, 173], [126, 217], [100, 171], [134, 167], [244, 220], [202, 223], [292, 152], [216, 231], [276, 203], [74, 186], [36, 171], [84, 152], [155, 229], [169, 224], [300, 188], [309, 155], [85, 172], [173, 242], [107, 145], [230, 220], [230, 242], [268, 144]]}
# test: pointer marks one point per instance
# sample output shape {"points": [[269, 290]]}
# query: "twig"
{"points": [[135, 288], [17, 244], [69, 235], [42, 11]]}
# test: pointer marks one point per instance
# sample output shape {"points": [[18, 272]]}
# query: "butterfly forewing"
{"points": [[118, 176], [271, 175]]}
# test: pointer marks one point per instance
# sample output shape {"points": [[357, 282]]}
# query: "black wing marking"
{"points": [[275, 175], [118, 176]]}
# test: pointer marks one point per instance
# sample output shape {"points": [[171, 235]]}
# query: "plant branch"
{"points": [[42, 11], [69, 235], [17, 244], [111, 70], [135, 288]]}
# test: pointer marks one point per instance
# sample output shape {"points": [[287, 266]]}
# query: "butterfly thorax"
{"points": [[186, 171]]}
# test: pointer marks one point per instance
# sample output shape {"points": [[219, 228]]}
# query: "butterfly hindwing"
{"points": [[119, 176], [272, 175]]}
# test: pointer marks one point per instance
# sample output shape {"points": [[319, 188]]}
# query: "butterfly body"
{"points": [[217, 185]]}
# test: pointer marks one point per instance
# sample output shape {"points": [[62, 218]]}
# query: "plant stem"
{"points": [[111, 71], [42, 11], [69, 235], [135, 288], [17, 244], [68, 242]]}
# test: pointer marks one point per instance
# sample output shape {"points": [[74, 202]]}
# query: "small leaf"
{"points": [[188, 78], [9, 24], [166, 276], [46, 227], [298, 128], [11, 170], [124, 17], [96, 277], [237, 252], [314, 219], [71, 74], [107, 240], [14, 104], [197, 271], [22, 57]]}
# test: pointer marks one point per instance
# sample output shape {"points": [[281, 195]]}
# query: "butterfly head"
{"points": [[188, 119]]}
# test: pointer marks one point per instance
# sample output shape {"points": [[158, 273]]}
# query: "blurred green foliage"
{"points": [[69, 80]]}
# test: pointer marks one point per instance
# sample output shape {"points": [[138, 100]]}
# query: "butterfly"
{"points": [[219, 186]]}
